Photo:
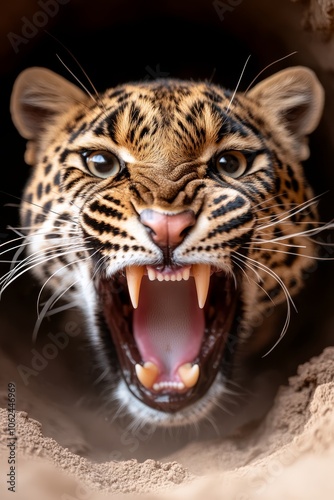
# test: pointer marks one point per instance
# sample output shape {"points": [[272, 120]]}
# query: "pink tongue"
{"points": [[168, 325]]}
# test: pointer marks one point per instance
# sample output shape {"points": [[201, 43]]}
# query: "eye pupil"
{"points": [[103, 164], [100, 163], [232, 164]]}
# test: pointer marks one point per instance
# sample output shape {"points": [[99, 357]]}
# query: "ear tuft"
{"points": [[296, 97], [38, 97]]}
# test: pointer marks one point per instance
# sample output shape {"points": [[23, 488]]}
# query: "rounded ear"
{"points": [[296, 97], [39, 95]]}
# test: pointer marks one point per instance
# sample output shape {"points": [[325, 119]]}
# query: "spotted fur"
{"points": [[169, 136]]}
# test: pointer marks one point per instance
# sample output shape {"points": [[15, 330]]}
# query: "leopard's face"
{"points": [[174, 214]]}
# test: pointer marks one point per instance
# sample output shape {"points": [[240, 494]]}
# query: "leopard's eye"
{"points": [[231, 163], [103, 164]]}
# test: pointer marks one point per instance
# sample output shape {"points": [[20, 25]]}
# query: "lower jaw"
{"points": [[213, 358], [139, 411]]}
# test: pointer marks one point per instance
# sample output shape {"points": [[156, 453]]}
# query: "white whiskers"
{"points": [[289, 301]]}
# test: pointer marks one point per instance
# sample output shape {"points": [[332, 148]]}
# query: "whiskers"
{"points": [[254, 79], [287, 219], [48, 308], [268, 66], [253, 265], [291, 233], [49, 250], [237, 85], [95, 95], [288, 214], [35, 259]]}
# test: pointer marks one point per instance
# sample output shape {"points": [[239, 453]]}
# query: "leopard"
{"points": [[176, 215]]}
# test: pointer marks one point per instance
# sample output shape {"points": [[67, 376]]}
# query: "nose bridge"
{"points": [[169, 192], [167, 187], [168, 230]]}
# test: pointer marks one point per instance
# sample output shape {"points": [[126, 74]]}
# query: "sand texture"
{"points": [[289, 455]]}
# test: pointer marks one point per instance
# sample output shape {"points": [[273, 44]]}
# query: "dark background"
{"points": [[117, 41], [113, 42]]}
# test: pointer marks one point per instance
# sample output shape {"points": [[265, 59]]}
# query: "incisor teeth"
{"points": [[186, 273], [189, 374], [134, 276], [174, 386], [201, 273], [151, 274], [147, 374]]}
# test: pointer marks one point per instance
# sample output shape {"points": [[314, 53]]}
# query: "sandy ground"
{"points": [[289, 455]]}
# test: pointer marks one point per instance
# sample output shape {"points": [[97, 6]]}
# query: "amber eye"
{"points": [[103, 164], [231, 163]]}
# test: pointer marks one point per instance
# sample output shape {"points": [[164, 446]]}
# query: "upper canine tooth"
{"points": [[189, 374], [147, 374], [201, 273], [134, 276]]}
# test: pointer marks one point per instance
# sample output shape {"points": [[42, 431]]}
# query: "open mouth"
{"points": [[170, 327]]}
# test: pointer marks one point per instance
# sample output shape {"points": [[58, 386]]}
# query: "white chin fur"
{"points": [[192, 414]]}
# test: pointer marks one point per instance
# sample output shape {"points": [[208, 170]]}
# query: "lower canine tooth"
{"points": [[134, 276], [201, 273], [189, 374], [147, 374]]}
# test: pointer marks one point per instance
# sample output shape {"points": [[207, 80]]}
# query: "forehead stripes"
{"points": [[146, 107], [166, 121]]}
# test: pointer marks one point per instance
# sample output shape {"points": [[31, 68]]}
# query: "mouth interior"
{"points": [[169, 328]]}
